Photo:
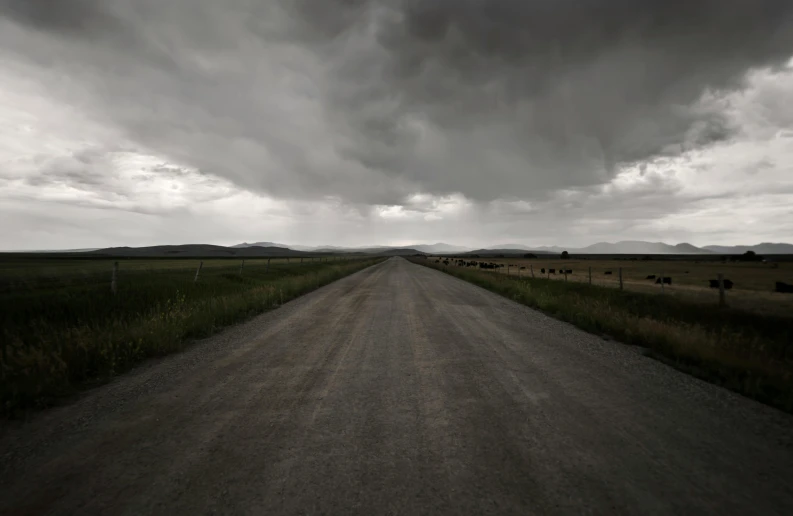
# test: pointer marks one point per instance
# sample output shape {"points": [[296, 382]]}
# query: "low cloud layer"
{"points": [[510, 106]]}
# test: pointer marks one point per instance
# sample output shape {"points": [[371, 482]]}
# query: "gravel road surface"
{"points": [[401, 390]]}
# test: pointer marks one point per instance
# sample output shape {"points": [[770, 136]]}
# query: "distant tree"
{"points": [[565, 255], [750, 256], [530, 255]]}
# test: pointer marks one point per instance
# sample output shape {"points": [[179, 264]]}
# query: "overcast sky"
{"points": [[358, 122]]}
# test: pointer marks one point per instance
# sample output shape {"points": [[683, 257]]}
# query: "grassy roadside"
{"points": [[746, 352], [58, 333]]}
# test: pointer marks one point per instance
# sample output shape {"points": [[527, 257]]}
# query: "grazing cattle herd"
{"points": [[780, 286]]}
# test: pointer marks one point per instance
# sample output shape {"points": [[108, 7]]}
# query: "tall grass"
{"points": [[747, 352], [60, 331]]}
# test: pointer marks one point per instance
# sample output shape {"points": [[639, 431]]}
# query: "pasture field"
{"points": [[61, 325], [746, 346], [753, 288]]}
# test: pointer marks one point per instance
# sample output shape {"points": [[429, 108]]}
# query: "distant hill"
{"points": [[506, 252], [399, 252], [549, 249], [761, 249], [273, 244], [519, 247], [259, 244], [439, 247], [195, 251]]}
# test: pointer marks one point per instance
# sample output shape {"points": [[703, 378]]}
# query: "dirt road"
{"points": [[400, 390]]}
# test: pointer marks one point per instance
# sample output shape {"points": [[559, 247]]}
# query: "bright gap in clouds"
{"points": [[237, 133]]}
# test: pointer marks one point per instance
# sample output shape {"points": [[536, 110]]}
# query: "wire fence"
{"points": [[40, 276]]}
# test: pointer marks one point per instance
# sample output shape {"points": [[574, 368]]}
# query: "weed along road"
{"points": [[401, 390]]}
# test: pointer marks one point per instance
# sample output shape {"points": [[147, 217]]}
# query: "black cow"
{"points": [[714, 283], [523, 268], [666, 280], [784, 287], [542, 271], [650, 276], [607, 273], [568, 271], [551, 271]]}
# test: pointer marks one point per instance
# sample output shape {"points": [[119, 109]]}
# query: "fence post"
{"points": [[532, 270], [565, 275], [722, 300], [662, 281], [620, 278], [113, 284], [198, 271], [268, 265], [507, 269], [590, 274], [241, 266]]}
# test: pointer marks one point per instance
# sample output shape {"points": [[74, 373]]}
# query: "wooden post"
{"points": [[662, 282], [241, 266], [620, 278], [722, 299], [301, 260], [590, 274], [507, 269], [198, 271], [565, 275], [113, 284], [532, 270], [518, 271], [268, 265]]}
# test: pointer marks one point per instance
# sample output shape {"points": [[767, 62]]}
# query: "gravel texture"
{"points": [[401, 390]]}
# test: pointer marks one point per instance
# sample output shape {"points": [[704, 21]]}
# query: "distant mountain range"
{"points": [[640, 247], [438, 248], [623, 247], [627, 247]]}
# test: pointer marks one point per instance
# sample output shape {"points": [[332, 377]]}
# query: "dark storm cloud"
{"points": [[570, 87], [67, 16], [371, 100]]}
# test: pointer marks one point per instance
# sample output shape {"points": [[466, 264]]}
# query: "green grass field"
{"points": [[746, 350], [63, 326]]}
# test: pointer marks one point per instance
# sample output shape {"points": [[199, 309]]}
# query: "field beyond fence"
{"points": [[748, 349], [750, 286], [65, 322]]}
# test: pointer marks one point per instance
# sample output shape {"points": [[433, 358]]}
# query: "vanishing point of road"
{"points": [[401, 390]]}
